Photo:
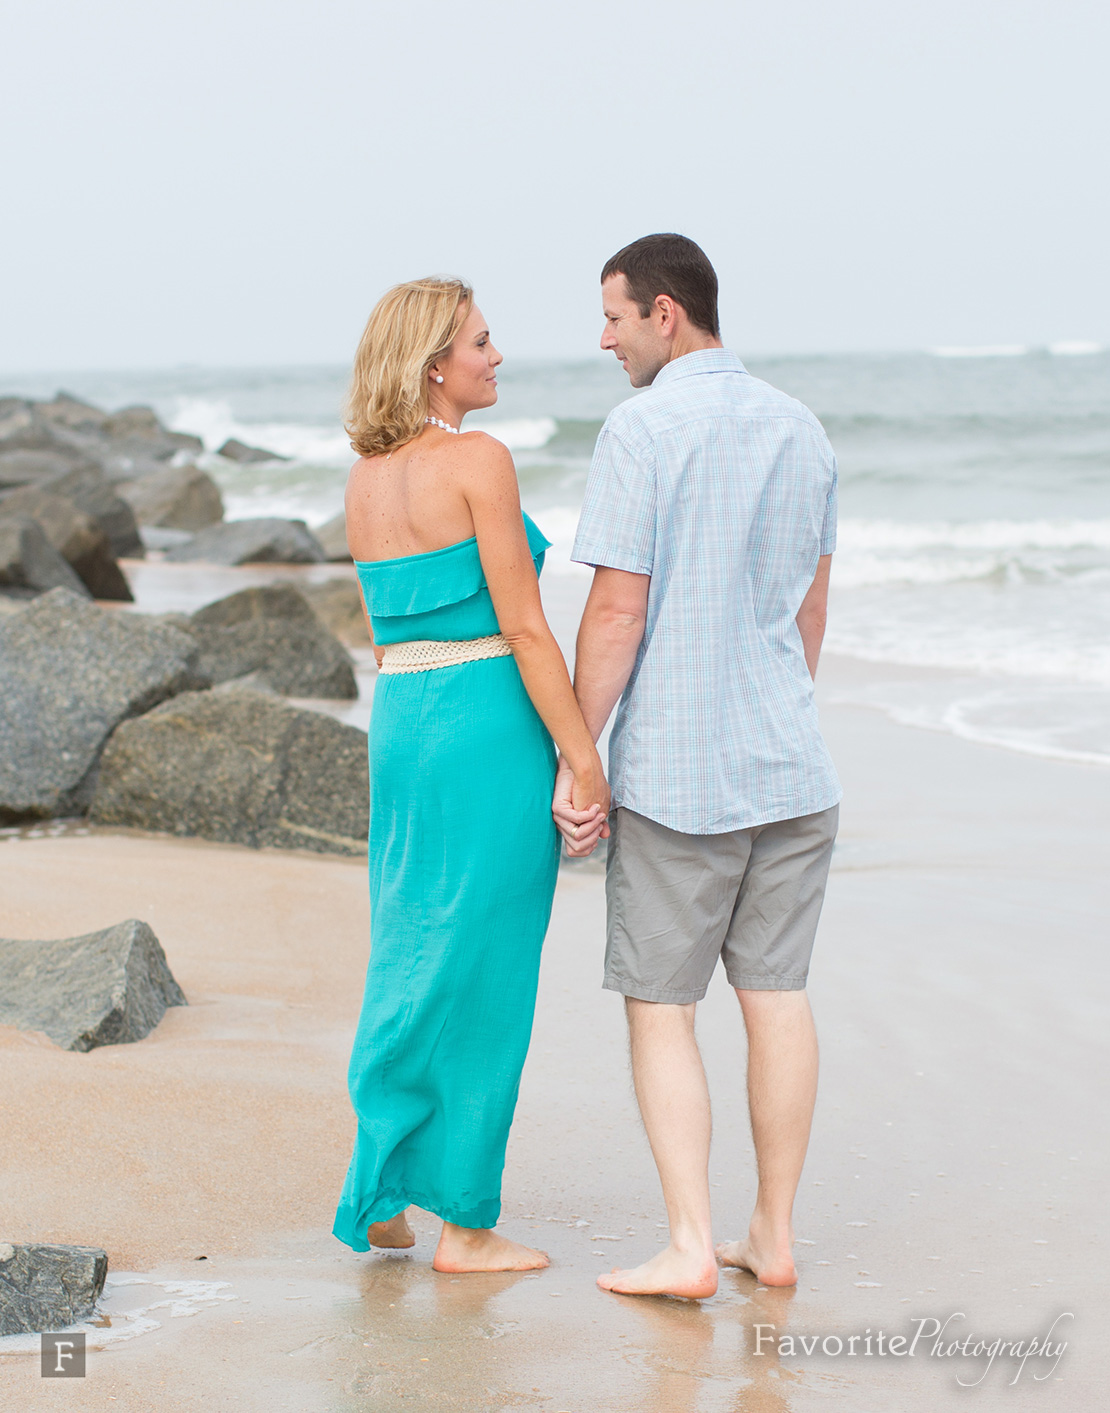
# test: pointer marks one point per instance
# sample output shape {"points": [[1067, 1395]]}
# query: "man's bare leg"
{"points": [[782, 1090], [674, 1104], [481, 1249], [392, 1235]]}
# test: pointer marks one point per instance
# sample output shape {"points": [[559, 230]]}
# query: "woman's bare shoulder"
{"points": [[364, 463], [477, 451], [360, 480]]}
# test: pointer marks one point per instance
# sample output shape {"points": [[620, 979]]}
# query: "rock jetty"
{"points": [[122, 471]]}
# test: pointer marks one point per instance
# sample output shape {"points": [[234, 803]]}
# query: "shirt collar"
{"points": [[702, 360]]}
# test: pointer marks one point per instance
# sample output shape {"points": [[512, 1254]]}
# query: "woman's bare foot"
{"points": [[770, 1263], [670, 1273], [480, 1249], [394, 1235]]}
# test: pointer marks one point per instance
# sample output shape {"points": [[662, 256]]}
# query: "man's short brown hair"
{"points": [[673, 265]]}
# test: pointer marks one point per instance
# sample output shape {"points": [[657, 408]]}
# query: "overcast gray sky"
{"points": [[236, 181]]}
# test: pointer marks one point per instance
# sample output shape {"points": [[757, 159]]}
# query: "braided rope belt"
{"points": [[426, 654]]}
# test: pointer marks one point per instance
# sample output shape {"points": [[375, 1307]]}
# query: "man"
{"points": [[709, 519]]}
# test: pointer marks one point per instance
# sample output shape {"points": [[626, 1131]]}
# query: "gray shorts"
{"points": [[677, 902]]}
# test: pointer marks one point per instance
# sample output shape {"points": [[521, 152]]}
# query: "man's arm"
{"points": [[609, 638], [812, 615]]}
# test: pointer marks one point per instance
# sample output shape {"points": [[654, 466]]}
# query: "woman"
{"points": [[463, 850]]}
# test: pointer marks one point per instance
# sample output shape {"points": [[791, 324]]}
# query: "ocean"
{"points": [[974, 549]]}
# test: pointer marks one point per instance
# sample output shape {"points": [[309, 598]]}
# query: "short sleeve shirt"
{"points": [[723, 490]]}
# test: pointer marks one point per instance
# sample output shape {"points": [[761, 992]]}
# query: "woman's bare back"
{"points": [[411, 501]]}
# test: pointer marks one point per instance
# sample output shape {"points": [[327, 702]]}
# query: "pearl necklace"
{"points": [[446, 426]]}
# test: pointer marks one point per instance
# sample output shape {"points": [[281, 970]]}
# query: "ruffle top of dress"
{"points": [[440, 595]]}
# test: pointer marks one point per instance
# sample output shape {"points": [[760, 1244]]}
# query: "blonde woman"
{"points": [[463, 851]]}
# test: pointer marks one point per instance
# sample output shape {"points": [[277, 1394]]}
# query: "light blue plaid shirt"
{"points": [[723, 489]]}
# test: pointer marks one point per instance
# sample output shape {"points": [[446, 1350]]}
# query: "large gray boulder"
{"points": [[65, 470], [38, 466], [76, 536], [132, 422], [156, 538], [71, 672], [34, 426], [126, 461], [117, 458], [273, 633], [29, 563], [92, 492], [21, 427], [141, 429], [263, 541], [142, 424], [235, 450], [239, 767], [46, 1288], [333, 539], [15, 416], [104, 988], [337, 603], [175, 498], [68, 411]]}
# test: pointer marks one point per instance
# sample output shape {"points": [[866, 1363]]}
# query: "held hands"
{"points": [[581, 808]]}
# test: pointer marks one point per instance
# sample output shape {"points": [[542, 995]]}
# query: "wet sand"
{"points": [[955, 1165], [959, 985]]}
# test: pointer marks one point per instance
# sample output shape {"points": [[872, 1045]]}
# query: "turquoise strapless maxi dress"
{"points": [[463, 863]]}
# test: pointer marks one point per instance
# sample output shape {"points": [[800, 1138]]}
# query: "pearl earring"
{"points": [[439, 377]]}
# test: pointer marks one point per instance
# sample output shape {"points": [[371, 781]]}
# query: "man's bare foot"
{"points": [[394, 1235], [480, 1249], [770, 1264], [670, 1273]]}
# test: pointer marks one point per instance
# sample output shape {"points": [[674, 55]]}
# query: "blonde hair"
{"points": [[411, 326]]}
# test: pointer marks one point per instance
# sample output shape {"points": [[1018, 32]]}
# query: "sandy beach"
{"points": [[954, 1168]]}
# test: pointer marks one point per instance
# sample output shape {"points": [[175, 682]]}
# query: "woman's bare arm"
{"points": [[350, 507], [487, 478], [370, 632]]}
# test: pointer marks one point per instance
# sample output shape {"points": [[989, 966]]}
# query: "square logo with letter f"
{"points": [[63, 1356]]}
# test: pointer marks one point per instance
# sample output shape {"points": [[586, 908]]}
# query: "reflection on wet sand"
{"points": [[701, 1358], [422, 1327], [675, 1361], [431, 1340], [770, 1381]]}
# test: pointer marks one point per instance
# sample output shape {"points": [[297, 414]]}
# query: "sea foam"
{"points": [[873, 552], [1058, 721], [214, 422]]}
